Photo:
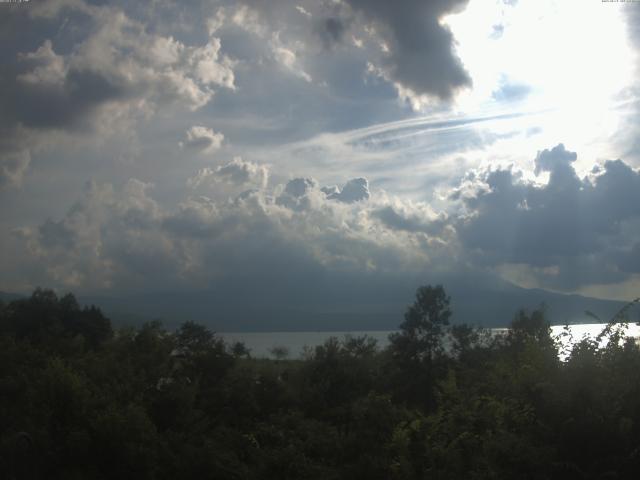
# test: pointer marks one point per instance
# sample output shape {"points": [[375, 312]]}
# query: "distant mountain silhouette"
{"points": [[9, 297], [342, 306], [374, 307]]}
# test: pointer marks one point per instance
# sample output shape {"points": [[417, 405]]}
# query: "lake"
{"points": [[260, 343]]}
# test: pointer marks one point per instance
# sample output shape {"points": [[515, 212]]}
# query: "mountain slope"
{"points": [[375, 309]]}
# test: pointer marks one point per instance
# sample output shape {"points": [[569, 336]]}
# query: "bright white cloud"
{"points": [[203, 139], [238, 173]]}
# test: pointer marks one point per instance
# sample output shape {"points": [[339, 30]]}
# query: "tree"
{"points": [[280, 352], [239, 350], [422, 330], [418, 344]]}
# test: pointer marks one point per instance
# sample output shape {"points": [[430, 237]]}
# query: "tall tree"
{"points": [[422, 331], [419, 343]]}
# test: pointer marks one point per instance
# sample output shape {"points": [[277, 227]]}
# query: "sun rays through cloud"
{"points": [[351, 139]]}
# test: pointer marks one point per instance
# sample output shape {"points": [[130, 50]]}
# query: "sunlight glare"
{"points": [[567, 55]]}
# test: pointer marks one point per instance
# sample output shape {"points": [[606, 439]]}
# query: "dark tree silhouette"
{"points": [[422, 331], [420, 343]]}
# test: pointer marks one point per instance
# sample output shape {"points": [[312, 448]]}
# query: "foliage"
{"points": [[78, 400]]}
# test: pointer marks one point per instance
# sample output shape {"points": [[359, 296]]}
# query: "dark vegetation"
{"points": [[81, 401]]}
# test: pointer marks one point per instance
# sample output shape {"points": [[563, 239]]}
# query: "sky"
{"points": [[308, 147]]}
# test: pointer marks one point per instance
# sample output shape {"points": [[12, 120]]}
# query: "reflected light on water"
{"points": [[260, 343]]}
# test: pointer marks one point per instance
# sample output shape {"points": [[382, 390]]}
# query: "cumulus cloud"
{"points": [[195, 217], [575, 226], [299, 187], [306, 193], [47, 68], [567, 233], [238, 173], [119, 63], [115, 237], [420, 57], [107, 75], [203, 139], [108, 235], [354, 190], [405, 43], [410, 217], [300, 194]]}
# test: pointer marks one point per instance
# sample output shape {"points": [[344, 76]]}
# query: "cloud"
{"points": [[47, 68], [574, 225], [102, 78], [203, 139], [117, 64], [405, 44], [106, 236], [511, 91], [121, 238], [299, 187], [13, 166], [105, 91], [216, 22], [305, 193], [195, 217], [409, 217], [285, 53], [302, 10], [288, 58], [238, 173], [420, 57], [300, 194], [354, 190], [632, 14], [332, 30], [567, 234]]}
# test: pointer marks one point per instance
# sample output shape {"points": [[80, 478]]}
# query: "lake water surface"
{"points": [[260, 343]]}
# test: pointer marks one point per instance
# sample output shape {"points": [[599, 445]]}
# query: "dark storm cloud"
{"points": [[421, 55], [567, 222]]}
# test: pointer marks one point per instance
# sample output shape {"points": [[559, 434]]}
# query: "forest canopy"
{"points": [[80, 399]]}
